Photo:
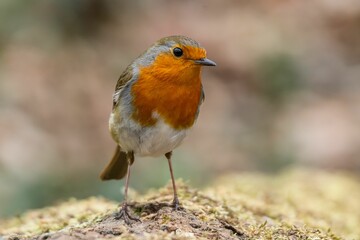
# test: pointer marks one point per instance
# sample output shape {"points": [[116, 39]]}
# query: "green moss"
{"points": [[297, 204], [303, 202], [72, 213]]}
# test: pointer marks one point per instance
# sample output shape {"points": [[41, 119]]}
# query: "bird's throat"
{"points": [[173, 96]]}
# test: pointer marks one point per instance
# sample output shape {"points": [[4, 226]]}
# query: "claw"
{"points": [[125, 215]]}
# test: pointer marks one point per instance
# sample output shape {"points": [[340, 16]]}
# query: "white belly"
{"points": [[147, 141]]}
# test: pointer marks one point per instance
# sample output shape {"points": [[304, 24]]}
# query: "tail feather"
{"points": [[117, 167]]}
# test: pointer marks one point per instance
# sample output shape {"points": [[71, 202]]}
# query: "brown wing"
{"points": [[125, 77]]}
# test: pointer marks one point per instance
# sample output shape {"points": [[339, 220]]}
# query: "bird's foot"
{"points": [[125, 215], [176, 204]]}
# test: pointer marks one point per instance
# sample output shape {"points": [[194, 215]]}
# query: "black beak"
{"points": [[205, 62]]}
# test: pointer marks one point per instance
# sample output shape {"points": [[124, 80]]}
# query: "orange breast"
{"points": [[171, 91]]}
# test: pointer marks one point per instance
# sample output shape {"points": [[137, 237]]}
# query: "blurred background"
{"points": [[285, 93]]}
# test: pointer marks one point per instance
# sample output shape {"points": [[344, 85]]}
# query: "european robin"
{"points": [[156, 101]]}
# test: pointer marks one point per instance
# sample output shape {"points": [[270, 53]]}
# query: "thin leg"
{"points": [[124, 211], [127, 183], [176, 202]]}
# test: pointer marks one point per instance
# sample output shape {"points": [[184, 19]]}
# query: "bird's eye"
{"points": [[178, 52]]}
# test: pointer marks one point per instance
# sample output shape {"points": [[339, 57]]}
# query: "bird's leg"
{"points": [[175, 203], [124, 211]]}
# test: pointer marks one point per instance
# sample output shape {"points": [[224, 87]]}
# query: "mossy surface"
{"points": [[296, 204]]}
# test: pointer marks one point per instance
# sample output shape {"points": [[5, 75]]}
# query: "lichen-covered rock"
{"points": [[292, 205]]}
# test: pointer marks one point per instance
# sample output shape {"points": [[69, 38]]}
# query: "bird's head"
{"points": [[175, 56]]}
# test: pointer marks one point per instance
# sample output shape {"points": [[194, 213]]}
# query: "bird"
{"points": [[156, 102]]}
